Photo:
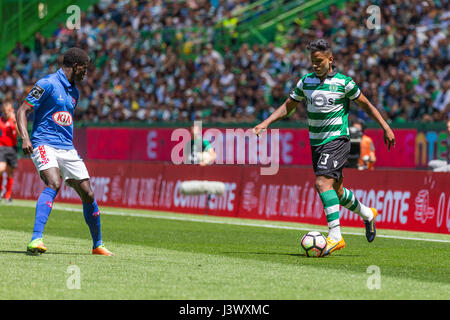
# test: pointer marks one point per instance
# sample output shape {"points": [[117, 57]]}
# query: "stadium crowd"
{"points": [[403, 67]]}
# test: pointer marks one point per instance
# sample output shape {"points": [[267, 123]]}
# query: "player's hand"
{"points": [[259, 129], [27, 147], [389, 138]]}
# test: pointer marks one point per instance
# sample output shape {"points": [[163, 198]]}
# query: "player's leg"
{"points": [[328, 162], [90, 208], [91, 214], [76, 175], [9, 183], [11, 164], [338, 186], [44, 206], [2, 169], [348, 200], [330, 201], [45, 161]]}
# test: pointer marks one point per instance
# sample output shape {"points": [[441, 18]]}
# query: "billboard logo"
{"points": [[234, 146], [423, 211]]}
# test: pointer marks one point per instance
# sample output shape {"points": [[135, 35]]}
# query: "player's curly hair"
{"points": [[319, 45], [75, 55]]}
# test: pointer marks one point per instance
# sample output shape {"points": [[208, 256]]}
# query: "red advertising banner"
{"points": [[405, 200], [289, 196], [128, 144], [234, 146], [115, 183], [402, 155], [226, 205]]}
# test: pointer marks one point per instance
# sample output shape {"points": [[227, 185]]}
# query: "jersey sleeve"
{"points": [[351, 90], [297, 93], [39, 93]]}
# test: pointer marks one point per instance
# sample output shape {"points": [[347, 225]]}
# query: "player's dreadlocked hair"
{"points": [[75, 55], [319, 45]]}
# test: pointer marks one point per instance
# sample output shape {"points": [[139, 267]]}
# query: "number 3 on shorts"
{"points": [[324, 158]]}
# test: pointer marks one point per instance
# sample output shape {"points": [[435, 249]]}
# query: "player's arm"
{"points": [[389, 137], [286, 109], [33, 101], [22, 127]]}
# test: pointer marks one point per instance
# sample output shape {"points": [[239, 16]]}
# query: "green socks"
{"points": [[350, 202], [331, 207]]}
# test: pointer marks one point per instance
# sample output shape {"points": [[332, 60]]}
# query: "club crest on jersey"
{"points": [[333, 87], [63, 118]]}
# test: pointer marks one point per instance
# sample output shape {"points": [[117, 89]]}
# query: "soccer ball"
{"points": [[314, 244]]}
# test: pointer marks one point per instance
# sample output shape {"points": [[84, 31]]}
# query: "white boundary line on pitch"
{"points": [[143, 215]]}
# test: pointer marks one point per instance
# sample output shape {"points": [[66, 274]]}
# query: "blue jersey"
{"points": [[53, 99]]}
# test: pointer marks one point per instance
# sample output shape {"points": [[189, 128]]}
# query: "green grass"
{"points": [[167, 256]]}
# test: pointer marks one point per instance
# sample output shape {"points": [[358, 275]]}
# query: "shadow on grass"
{"points": [[299, 255], [47, 253]]}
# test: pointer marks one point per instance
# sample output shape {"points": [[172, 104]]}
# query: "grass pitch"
{"points": [[163, 255]]}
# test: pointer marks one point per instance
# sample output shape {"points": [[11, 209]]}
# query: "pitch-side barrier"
{"points": [[405, 199]]}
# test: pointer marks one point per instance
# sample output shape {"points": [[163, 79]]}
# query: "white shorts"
{"points": [[69, 163]]}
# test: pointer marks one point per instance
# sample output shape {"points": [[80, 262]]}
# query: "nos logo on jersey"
{"points": [[320, 100], [63, 118]]}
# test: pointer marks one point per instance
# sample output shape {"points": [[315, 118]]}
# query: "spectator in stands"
{"points": [[141, 58]]}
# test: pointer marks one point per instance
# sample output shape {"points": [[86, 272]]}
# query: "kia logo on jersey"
{"points": [[63, 118]]}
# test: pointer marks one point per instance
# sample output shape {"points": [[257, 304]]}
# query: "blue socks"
{"points": [[44, 206], [92, 218]]}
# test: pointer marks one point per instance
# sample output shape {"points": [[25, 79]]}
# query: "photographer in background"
{"points": [[199, 150], [362, 151]]}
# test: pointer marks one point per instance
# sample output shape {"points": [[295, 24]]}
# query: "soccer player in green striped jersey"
{"points": [[328, 94]]}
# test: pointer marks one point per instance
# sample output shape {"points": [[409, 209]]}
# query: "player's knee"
{"points": [[339, 191], [88, 196], [54, 184], [322, 185], [319, 185]]}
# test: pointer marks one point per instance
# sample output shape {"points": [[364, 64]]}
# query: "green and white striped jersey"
{"points": [[327, 104]]}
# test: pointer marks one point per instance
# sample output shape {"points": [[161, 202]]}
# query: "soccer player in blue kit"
{"points": [[53, 100]]}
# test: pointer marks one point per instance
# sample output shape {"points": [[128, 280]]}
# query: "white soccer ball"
{"points": [[313, 244]]}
